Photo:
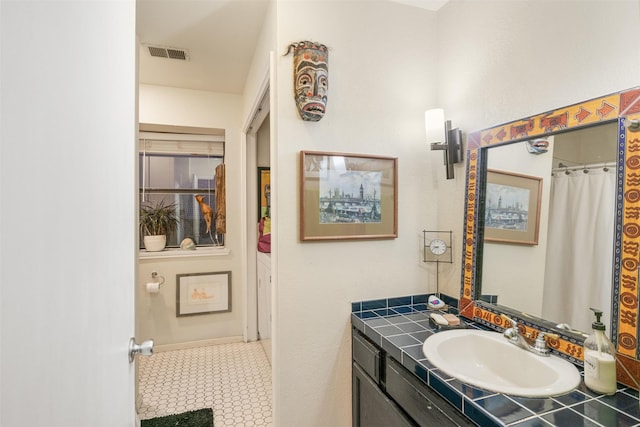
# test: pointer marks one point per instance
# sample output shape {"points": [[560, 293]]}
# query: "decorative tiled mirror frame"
{"points": [[621, 106]]}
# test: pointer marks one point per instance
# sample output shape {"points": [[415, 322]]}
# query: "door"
{"points": [[264, 302], [256, 155], [67, 214]]}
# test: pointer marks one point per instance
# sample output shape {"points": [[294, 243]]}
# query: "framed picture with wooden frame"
{"points": [[348, 196], [512, 213], [264, 192], [203, 293]]}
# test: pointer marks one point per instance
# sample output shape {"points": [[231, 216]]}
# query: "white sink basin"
{"points": [[487, 360]]}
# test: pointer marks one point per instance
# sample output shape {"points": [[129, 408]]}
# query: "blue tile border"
{"points": [[384, 303], [480, 417], [399, 326], [450, 301], [420, 299], [374, 304], [394, 302], [445, 390]]}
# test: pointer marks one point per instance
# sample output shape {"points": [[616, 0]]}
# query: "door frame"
{"points": [[259, 111]]}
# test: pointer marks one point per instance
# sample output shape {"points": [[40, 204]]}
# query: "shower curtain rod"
{"points": [[563, 168]]}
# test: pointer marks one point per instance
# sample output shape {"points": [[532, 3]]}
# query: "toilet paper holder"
{"points": [[156, 278]]}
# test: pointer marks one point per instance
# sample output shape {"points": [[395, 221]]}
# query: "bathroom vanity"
{"points": [[386, 394], [395, 385], [515, 258]]}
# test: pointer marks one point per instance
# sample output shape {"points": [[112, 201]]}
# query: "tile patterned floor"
{"points": [[233, 379]]}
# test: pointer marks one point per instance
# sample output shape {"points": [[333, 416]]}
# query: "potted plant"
{"points": [[156, 222]]}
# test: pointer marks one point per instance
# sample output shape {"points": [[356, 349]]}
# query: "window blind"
{"points": [[171, 143]]}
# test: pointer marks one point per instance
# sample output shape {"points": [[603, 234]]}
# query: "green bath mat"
{"points": [[199, 418]]}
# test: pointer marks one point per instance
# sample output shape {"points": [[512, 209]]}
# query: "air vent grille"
{"points": [[168, 52], [177, 54]]}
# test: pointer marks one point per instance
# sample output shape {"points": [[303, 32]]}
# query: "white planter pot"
{"points": [[155, 243]]}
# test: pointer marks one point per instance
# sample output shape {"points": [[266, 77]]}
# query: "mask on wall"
{"points": [[310, 79]]}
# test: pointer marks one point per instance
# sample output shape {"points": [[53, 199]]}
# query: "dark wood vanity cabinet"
{"points": [[386, 394], [371, 407]]}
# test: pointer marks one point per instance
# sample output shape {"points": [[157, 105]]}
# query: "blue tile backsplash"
{"points": [[400, 325]]}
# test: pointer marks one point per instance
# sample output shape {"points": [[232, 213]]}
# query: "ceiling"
{"points": [[218, 37]]}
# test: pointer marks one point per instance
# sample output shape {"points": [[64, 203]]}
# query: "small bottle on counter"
{"points": [[599, 359]]}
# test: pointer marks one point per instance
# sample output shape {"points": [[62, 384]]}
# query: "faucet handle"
{"points": [[541, 343], [542, 336], [514, 324]]}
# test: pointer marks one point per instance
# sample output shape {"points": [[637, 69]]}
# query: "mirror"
{"points": [[578, 177], [490, 268]]}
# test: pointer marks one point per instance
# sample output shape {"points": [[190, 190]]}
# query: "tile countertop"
{"points": [[401, 325]]}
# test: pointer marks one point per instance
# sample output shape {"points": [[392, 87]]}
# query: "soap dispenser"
{"points": [[599, 359]]}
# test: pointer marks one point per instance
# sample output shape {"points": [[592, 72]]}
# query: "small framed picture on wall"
{"points": [[203, 293]]}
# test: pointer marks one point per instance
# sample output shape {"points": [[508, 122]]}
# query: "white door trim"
{"points": [[259, 110]]}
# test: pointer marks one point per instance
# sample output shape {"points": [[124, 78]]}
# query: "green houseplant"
{"points": [[156, 222]]}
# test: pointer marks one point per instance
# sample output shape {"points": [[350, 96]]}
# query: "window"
{"points": [[174, 169]]}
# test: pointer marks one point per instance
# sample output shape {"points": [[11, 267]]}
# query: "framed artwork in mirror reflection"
{"points": [[348, 196], [512, 212]]}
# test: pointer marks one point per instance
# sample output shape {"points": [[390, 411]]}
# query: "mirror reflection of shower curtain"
{"points": [[579, 259]]}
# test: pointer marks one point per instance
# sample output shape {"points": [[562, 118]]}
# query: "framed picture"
{"points": [[264, 192], [202, 293], [512, 213], [348, 196]]}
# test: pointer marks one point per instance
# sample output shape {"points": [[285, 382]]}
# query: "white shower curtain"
{"points": [[580, 247]]}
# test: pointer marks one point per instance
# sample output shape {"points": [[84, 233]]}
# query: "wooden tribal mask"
{"points": [[310, 79]]}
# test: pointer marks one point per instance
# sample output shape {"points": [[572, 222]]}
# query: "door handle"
{"points": [[145, 349]]}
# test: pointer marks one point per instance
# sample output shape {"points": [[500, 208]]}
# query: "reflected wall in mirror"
{"points": [[547, 284], [574, 256]]}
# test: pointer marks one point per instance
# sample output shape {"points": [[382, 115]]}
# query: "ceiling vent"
{"points": [[168, 52]]}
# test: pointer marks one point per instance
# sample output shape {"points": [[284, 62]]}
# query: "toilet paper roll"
{"points": [[153, 287]]}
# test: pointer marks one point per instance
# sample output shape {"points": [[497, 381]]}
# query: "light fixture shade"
{"points": [[434, 125]]}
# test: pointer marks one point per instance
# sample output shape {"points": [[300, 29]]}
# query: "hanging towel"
{"points": [[264, 237], [221, 217]]}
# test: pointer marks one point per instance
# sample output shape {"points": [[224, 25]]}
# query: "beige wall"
{"points": [[155, 313]]}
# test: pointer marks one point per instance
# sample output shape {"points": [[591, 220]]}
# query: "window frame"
{"points": [[180, 141]]}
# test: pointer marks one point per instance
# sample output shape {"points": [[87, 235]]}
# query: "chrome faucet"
{"points": [[514, 336]]}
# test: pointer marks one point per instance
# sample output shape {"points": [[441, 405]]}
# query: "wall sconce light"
{"points": [[442, 137]]}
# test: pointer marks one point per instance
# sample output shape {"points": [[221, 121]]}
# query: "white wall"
{"points": [[500, 61], [259, 72], [496, 61], [503, 60], [381, 80], [156, 313]]}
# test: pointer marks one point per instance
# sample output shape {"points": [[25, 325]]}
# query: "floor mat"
{"points": [[198, 418]]}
